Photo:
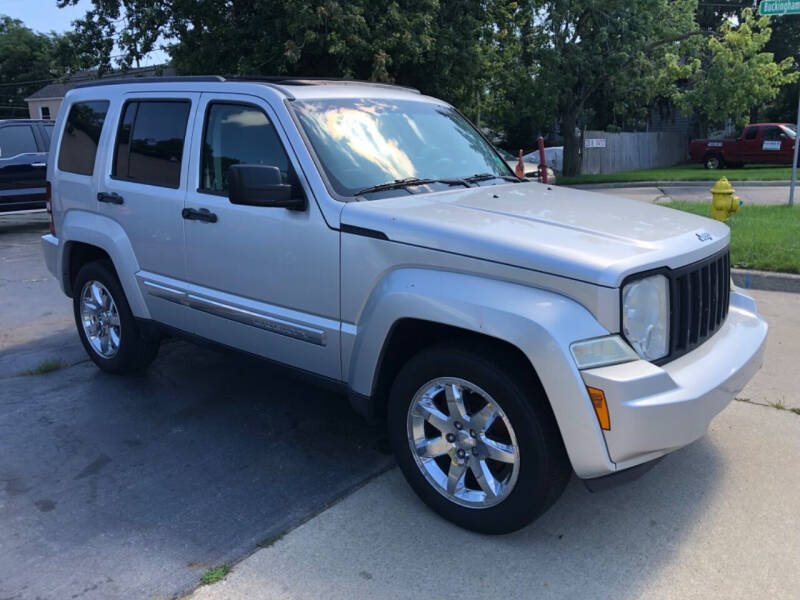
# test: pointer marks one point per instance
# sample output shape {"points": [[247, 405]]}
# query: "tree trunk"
{"points": [[572, 159]]}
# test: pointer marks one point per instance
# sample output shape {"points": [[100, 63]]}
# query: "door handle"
{"points": [[203, 214], [109, 197], [39, 164]]}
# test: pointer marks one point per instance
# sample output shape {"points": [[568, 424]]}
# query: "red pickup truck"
{"points": [[759, 143]]}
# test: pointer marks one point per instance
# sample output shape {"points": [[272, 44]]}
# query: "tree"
{"points": [[430, 44], [617, 47], [734, 74], [29, 60]]}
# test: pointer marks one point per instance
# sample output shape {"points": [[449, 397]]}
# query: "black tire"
{"points": [[135, 351], [544, 468], [713, 161]]}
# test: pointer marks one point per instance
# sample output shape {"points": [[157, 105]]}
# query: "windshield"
{"points": [[363, 143], [506, 155], [790, 129]]}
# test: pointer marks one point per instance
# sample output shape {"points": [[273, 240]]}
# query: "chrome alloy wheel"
{"points": [[463, 443], [100, 319]]}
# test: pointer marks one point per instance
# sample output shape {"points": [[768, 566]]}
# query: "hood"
{"points": [[588, 236]]}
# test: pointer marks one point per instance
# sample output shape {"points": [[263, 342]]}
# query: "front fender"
{"points": [[106, 234], [541, 324]]}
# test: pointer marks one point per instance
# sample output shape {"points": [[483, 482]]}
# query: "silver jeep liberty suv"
{"points": [[508, 332]]}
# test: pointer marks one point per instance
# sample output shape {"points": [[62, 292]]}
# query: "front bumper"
{"points": [[655, 410]]}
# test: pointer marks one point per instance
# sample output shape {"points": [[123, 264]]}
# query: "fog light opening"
{"points": [[600, 407]]}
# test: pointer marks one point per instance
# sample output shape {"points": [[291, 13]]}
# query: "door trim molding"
{"points": [[246, 316]]}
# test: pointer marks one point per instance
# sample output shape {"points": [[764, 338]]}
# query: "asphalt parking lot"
{"points": [[114, 487], [131, 487]]}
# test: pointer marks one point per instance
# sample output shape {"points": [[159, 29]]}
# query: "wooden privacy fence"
{"points": [[605, 152]]}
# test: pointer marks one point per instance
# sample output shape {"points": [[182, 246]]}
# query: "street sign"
{"points": [[786, 7], [779, 7], [596, 142]]}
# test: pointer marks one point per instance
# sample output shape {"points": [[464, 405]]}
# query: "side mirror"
{"points": [[260, 185], [783, 136]]}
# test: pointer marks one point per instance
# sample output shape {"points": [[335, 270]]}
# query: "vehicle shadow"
{"points": [[122, 487], [614, 544]]}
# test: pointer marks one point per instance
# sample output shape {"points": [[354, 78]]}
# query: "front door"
{"points": [[261, 279], [143, 189], [776, 146]]}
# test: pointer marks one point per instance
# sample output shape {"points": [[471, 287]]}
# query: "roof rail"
{"points": [[277, 81], [311, 80], [172, 79]]}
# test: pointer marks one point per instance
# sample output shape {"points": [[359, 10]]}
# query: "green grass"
{"points": [[46, 366], [687, 172], [214, 574], [766, 238]]}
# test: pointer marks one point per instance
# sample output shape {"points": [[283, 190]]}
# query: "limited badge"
{"points": [[703, 236]]}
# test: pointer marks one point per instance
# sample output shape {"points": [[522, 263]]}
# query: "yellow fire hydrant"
{"points": [[723, 202]]}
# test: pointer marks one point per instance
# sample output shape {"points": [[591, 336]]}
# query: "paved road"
{"points": [[130, 487], [749, 195], [715, 520]]}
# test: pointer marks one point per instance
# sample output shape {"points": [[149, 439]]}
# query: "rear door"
{"points": [[23, 166], [143, 189]]}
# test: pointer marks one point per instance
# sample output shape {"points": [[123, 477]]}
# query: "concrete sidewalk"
{"points": [[717, 519]]}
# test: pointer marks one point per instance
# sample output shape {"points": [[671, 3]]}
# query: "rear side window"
{"points": [[238, 134], [15, 140], [149, 146], [751, 133], [81, 135]]}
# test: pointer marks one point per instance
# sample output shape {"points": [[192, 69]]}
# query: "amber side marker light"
{"points": [[600, 407]]}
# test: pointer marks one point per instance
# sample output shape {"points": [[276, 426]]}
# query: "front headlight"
{"points": [[645, 316]]}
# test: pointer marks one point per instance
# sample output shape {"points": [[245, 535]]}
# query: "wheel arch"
{"points": [[88, 236], [412, 308]]}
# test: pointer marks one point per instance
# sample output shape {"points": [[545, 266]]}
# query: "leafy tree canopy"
{"points": [[734, 74], [518, 67], [28, 60]]}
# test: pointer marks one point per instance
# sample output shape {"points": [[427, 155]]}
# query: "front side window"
{"points": [[81, 136], [771, 133], [15, 140], [367, 142], [150, 140], [238, 134]]}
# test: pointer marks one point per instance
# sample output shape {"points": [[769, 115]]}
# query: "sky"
{"points": [[45, 16]]}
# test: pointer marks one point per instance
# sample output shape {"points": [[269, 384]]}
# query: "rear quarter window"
{"points": [[81, 135]]}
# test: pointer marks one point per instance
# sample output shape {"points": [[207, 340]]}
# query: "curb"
{"points": [[672, 184], [766, 280]]}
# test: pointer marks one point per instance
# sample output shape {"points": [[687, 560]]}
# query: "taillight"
{"points": [[48, 196]]}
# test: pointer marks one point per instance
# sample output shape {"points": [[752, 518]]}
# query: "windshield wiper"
{"points": [[409, 182], [487, 176]]}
